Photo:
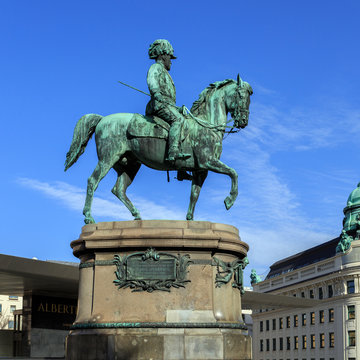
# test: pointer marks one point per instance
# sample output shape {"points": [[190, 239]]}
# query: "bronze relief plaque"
{"points": [[162, 269], [151, 270]]}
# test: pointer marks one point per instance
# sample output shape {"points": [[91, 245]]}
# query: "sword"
{"points": [[183, 109], [134, 88]]}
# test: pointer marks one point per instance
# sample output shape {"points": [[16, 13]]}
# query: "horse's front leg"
{"points": [[197, 182], [219, 167]]}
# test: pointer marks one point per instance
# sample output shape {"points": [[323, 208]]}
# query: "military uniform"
{"points": [[163, 95], [163, 103]]}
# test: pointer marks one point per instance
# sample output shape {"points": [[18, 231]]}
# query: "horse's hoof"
{"points": [[89, 220], [136, 215], [228, 203]]}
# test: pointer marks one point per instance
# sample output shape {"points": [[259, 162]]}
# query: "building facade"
{"points": [[330, 273], [325, 332], [9, 304]]}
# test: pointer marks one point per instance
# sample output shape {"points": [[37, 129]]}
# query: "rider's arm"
{"points": [[153, 81]]}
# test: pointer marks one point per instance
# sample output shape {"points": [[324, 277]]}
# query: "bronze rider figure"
{"points": [[163, 95]]}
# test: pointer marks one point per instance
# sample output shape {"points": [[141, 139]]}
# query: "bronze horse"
{"points": [[124, 141]]}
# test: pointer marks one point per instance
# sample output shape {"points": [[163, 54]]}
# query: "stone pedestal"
{"points": [[159, 290]]}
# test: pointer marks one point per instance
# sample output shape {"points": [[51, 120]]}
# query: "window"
{"points": [[311, 294], [330, 291], [288, 343], [296, 321], [0, 308], [261, 326], [274, 345], [11, 324], [321, 316], [302, 294], [296, 342], [281, 343], [312, 341], [261, 345], [288, 322], [267, 325], [322, 340], [274, 324], [350, 287], [312, 318], [321, 295], [12, 308], [331, 339], [331, 315], [267, 345], [351, 338], [303, 319], [281, 323], [12, 297], [304, 342], [351, 311]]}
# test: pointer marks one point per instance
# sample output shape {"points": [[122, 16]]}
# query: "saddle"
{"points": [[141, 126]]}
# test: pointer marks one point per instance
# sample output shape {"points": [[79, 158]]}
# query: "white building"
{"points": [[325, 332], [331, 329], [8, 304]]}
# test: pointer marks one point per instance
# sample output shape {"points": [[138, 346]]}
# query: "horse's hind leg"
{"points": [[197, 182], [126, 175], [102, 168]]}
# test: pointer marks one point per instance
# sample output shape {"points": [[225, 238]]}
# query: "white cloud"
{"points": [[303, 129], [74, 198]]}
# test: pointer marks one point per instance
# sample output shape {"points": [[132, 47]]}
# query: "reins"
{"points": [[205, 124], [213, 127]]}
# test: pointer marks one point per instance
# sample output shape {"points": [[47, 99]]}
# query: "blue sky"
{"points": [[297, 160]]}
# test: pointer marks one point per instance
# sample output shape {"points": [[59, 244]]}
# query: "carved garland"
{"points": [[228, 270]]}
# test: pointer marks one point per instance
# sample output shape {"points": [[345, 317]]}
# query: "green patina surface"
{"points": [[254, 277], [193, 143], [351, 222], [151, 270], [228, 270]]}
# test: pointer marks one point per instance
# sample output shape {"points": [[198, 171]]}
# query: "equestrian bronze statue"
{"points": [[167, 138]]}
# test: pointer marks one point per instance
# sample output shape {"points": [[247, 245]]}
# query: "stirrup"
{"points": [[183, 175]]}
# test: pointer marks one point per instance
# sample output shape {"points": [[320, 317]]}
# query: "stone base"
{"points": [[193, 312], [160, 344]]}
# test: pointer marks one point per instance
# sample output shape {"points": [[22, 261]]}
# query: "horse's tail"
{"points": [[84, 129]]}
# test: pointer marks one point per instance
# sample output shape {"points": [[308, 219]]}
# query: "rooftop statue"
{"points": [[351, 221], [254, 277], [166, 138]]}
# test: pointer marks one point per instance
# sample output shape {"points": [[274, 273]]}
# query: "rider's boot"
{"points": [[174, 135], [183, 175]]}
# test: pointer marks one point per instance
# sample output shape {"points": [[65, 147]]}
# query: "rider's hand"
{"points": [[182, 110]]}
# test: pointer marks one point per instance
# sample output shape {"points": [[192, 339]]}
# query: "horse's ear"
{"points": [[239, 81]]}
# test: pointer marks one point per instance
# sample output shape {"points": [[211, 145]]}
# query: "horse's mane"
{"points": [[198, 106]]}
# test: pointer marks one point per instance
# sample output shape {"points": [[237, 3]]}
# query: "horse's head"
{"points": [[238, 102]]}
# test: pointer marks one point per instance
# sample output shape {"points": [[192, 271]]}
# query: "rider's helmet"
{"points": [[160, 47]]}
